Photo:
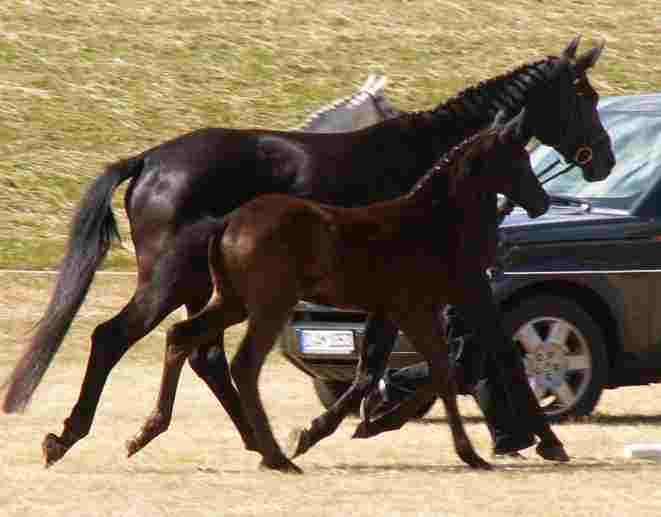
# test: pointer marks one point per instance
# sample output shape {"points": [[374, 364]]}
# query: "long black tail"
{"points": [[91, 233]]}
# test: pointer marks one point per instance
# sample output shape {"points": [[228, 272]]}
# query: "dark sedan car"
{"points": [[581, 293]]}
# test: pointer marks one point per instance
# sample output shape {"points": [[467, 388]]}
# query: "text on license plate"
{"points": [[326, 341]]}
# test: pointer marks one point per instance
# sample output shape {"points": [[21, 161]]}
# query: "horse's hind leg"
{"points": [[380, 335], [182, 339], [245, 368], [423, 329], [110, 341]]}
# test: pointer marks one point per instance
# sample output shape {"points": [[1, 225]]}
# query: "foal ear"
{"points": [[512, 133], [588, 59], [499, 120], [570, 51]]}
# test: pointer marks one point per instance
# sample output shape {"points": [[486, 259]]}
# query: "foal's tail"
{"points": [[91, 233], [215, 254]]}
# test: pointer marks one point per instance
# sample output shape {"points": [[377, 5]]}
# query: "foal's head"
{"points": [[496, 161]]}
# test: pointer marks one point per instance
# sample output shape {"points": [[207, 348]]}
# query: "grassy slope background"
{"points": [[86, 82]]}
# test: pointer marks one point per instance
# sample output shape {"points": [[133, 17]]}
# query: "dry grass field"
{"points": [[198, 467], [86, 82]]}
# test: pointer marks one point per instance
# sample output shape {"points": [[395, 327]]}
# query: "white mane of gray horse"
{"points": [[365, 107]]}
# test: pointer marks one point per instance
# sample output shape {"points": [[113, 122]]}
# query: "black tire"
{"points": [[329, 391], [585, 343]]}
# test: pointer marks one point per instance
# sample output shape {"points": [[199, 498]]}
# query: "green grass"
{"points": [[85, 83]]}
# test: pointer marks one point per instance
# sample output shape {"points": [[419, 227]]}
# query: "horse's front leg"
{"points": [[399, 414], [483, 314], [378, 342]]}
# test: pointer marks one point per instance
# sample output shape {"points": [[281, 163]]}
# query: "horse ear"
{"points": [[588, 59], [570, 51]]}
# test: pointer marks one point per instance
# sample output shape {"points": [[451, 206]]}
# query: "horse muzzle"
{"points": [[596, 162]]}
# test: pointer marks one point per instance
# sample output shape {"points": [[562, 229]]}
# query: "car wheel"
{"points": [[329, 391], [564, 354]]}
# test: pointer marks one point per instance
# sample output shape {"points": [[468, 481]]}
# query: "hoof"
{"points": [[281, 465], [298, 442], [508, 455], [52, 449], [132, 446], [553, 452], [475, 462], [251, 446]]}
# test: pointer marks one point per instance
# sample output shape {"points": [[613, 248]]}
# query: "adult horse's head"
{"points": [[563, 114], [495, 161]]}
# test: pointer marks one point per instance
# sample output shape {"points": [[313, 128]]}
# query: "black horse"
{"points": [[178, 185]]}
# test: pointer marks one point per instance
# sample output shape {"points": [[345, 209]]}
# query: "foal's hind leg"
{"points": [[182, 338], [209, 362], [246, 366], [110, 341]]}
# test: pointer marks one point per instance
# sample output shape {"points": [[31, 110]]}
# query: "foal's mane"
{"points": [[452, 164]]}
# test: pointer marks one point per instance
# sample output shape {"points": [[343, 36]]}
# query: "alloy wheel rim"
{"points": [[557, 360]]}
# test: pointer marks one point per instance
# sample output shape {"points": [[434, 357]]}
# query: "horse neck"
{"points": [[473, 108]]}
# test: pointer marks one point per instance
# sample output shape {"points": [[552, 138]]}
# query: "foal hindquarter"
{"points": [[258, 274]]}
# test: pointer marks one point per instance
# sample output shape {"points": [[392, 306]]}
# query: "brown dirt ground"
{"points": [[198, 467]]}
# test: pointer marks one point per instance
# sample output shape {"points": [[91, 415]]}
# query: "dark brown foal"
{"points": [[402, 258]]}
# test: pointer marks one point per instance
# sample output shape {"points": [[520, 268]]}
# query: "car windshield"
{"points": [[636, 138]]}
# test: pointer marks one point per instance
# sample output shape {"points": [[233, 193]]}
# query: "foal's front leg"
{"points": [[423, 329]]}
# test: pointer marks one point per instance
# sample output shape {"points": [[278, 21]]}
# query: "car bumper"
{"points": [[329, 365]]}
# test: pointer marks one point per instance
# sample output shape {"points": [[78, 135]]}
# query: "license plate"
{"points": [[326, 341]]}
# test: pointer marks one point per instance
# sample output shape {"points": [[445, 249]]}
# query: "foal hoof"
{"points": [[553, 452], [298, 442], [52, 449], [281, 465], [132, 446]]}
